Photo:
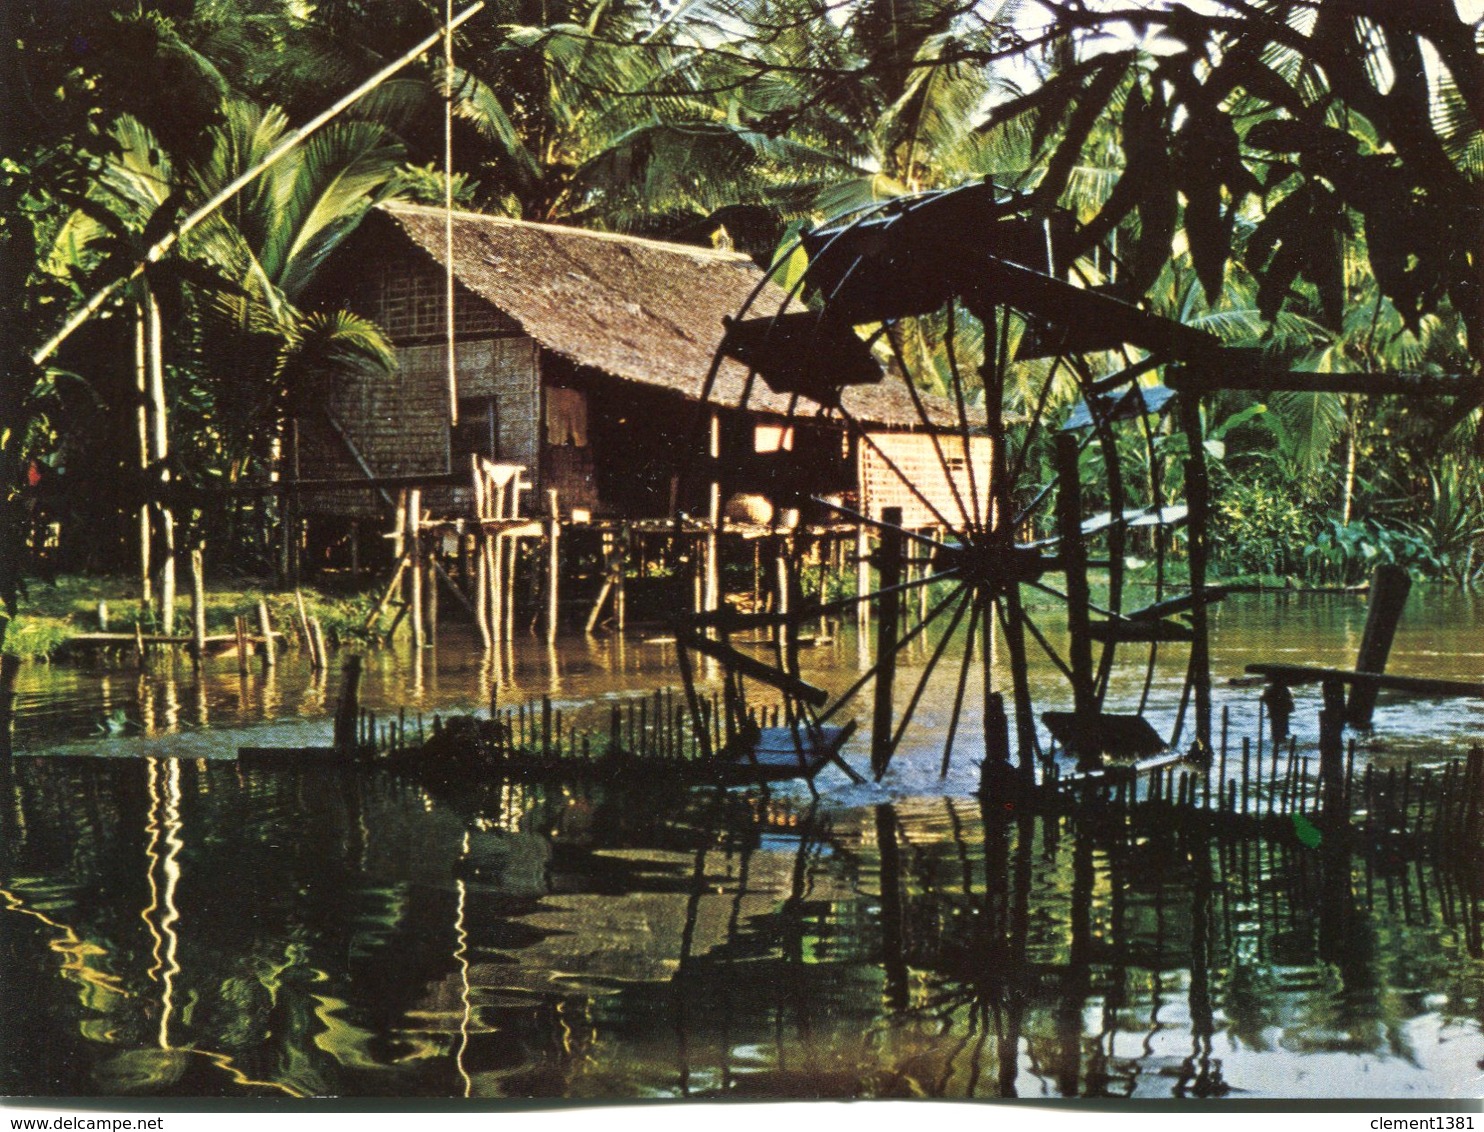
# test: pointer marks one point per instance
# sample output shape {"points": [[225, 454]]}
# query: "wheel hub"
{"points": [[995, 565]]}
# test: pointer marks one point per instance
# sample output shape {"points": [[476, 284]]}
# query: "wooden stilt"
{"points": [[141, 372], [1198, 499], [198, 606], [160, 456], [620, 595], [317, 642], [862, 574], [553, 563], [10, 669], [512, 565], [348, 710], [240, 625], [889, 571], [265, 626], [430, 590], [413, 527], [1073, 551], [712, 596]]}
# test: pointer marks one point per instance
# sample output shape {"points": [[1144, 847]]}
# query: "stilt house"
{"points": [[578, 357]]}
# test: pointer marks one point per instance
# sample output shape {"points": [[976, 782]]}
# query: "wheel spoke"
{"points": [[927, 671], [1035, 423], [1066, 669], [862, 434], [910, 636], [915, 536], [963, 412], [928, 425], [963, 681], [1056, 593], [843, 603]]}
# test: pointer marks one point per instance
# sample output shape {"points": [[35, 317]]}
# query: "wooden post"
{"points": [[1073, 553], [862, 575], [317, 643], [399, 526], [1198, 500], [889, 566], [413, 526], [1332, 748], [348, 711], [103, 617], [495, 545], [355, 552], [10, 669], [620, 596], [1390, 586], [159, 457], [141, 373], [265, 626], [198, 606], [431, 590], [712, 595], [553, 563], [893, 919], [239, 625]]}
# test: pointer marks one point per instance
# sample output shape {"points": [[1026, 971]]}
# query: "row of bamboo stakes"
{"points": [[655, 727], [1431, 807]]}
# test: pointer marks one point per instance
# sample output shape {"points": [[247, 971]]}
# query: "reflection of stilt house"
{"points": [[578, 357]]}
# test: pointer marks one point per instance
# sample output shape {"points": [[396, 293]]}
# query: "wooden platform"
{"points": [[780, 753]]}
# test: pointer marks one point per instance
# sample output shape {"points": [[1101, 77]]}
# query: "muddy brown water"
{"points": [[176, 923]]}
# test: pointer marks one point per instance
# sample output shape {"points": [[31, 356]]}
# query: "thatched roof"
{"points": [[641, 310]]}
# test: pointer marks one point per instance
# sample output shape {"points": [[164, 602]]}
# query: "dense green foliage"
{"points": [[1301, 177]]}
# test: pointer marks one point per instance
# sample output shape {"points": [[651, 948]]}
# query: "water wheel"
{"points": [[961, 379]]}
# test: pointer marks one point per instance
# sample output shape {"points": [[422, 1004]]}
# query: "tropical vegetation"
{"points": [[1303, 177]]}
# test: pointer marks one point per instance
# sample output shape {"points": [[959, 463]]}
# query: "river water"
{"points": [[178, 923]]}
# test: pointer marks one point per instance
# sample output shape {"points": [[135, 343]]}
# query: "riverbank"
{"points": [[56, 615]]}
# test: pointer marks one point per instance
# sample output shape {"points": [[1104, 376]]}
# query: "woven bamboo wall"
{"points": [[911, 457]]}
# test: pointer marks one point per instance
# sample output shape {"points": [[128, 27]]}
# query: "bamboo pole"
{"points": [[481, 558], [553, 564], [290, 141], [159, 455], [620, 597], [1198, 497], [240, 625], [712, 596], [198, 606], [415, 551], [141, 373], [265, 626]]}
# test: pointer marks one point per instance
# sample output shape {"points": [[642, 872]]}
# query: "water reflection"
{"points": [[199, 928]]}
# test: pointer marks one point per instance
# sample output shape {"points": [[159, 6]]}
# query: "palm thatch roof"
{"points": [[640, 310]]}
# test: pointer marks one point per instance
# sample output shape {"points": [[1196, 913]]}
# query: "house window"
{"points": [[475, 434], [772, 438], [566, 417]]}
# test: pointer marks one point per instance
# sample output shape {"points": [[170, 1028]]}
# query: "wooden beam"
{"points": [[355, 454], [1236, 370], [1297, 674], [1390, 585], [754, 669]]}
